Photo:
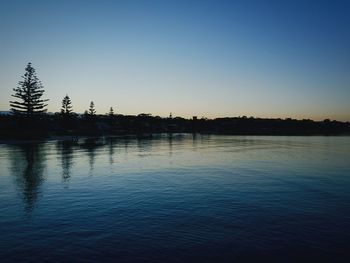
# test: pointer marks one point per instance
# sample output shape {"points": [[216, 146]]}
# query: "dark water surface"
{"points": [[176, 198]]}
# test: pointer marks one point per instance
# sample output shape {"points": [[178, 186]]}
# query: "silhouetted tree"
{"points": [[111, 112], [29, 93], [92, 110], [66, 106], [112, 119]]}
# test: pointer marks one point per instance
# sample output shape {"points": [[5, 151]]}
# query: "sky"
{"points": [[273, 59]]}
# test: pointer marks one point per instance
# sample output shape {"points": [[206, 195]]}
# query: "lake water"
{"points": [[176, 198]]}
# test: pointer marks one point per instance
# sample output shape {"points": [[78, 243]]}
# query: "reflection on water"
{"points": [[65, 148], [176, 198], [28, 160], [90, 145], [111, 149], [27, 167]]}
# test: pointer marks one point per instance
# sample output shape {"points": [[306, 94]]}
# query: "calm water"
{"points": [[178, 198]]}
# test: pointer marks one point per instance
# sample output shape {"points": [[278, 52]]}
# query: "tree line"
{"points": [[29, 119], [30, 103]]}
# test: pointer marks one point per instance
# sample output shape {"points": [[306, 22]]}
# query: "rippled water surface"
{"points": [[176, 198]]}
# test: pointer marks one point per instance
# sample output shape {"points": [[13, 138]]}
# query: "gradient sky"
{"points": [[204, 58]]}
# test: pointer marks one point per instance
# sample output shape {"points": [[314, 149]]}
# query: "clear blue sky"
{"points": [[205, 58]]}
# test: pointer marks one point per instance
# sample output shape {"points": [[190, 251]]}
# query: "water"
{"points": [[176, 198]]}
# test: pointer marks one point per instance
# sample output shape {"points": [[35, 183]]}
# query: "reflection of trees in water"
{"points": [[170, 138], [194, 140], [202, 139], [144, 143], [27, 166], [90, 145], [66, 150], [175, 139], [111, 141]]}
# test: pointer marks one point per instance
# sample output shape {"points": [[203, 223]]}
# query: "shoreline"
{"points": [[76, 138]]}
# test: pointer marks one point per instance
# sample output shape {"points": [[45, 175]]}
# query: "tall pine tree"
{"points": [[29, 93], [111, 112], [66, 106], [92, 110]]}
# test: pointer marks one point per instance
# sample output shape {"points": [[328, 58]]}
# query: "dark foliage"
{"points": [[82, 125], [29, 93], [111, 112], [92, 110], [67, 108]]}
